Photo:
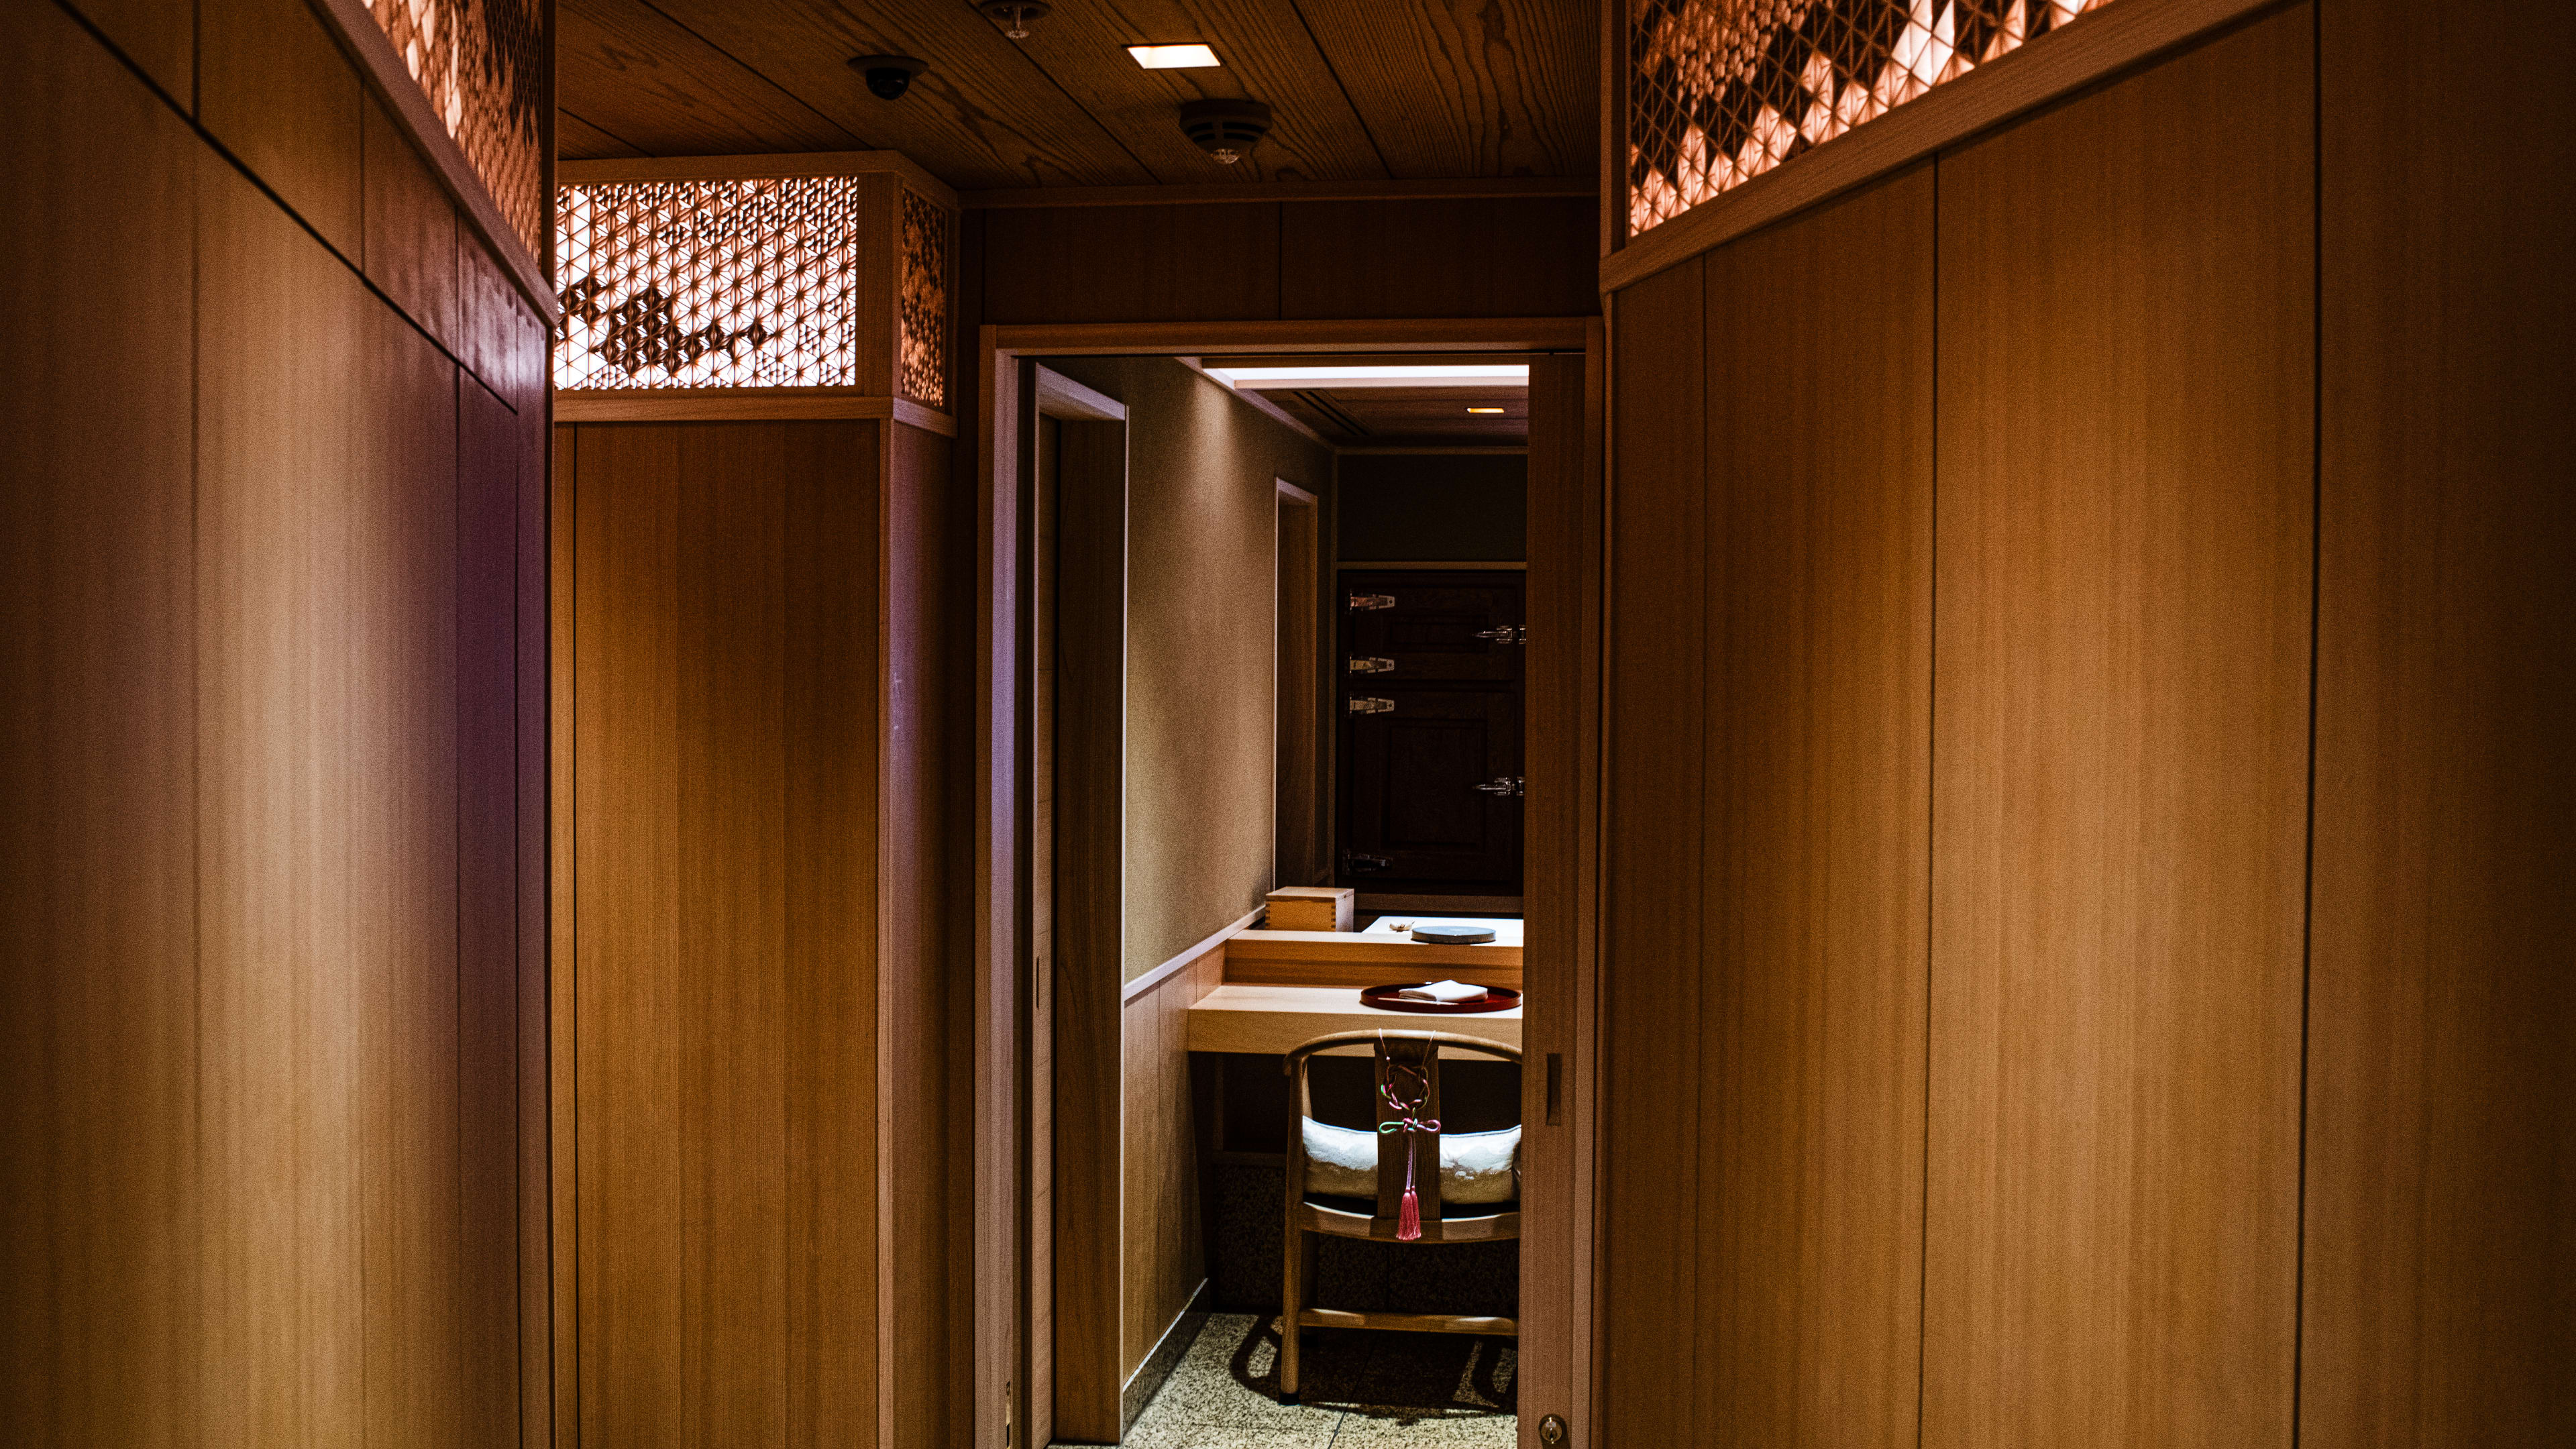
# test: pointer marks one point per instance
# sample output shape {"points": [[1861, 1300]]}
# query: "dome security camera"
{"points": [[889, 76]]}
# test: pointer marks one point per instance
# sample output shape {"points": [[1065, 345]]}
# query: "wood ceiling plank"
{"points": [[982, 115], [1267, 56], [632, 71], [579, 140], [1466, 87]]}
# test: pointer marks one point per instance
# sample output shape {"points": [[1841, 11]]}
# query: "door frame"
{"points": [[1561, 837]]}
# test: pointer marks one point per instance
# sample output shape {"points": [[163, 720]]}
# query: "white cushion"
{"points": [[1475, 1167]]}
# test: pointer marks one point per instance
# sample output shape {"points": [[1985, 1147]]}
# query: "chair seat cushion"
{"points": [[1475, 1167]]}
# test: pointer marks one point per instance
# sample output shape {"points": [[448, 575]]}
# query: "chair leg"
{"points": [[1292, 1301]]}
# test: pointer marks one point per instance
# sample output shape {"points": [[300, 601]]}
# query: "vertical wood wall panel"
{"points": [[2121, 713], [2441, 1230], [1808, 1231], [766, 1122], [98, 826], [1652, 917], [269, 1193]]}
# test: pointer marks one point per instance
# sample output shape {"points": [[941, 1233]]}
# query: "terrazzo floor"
{"points": [[1362, 1390]]}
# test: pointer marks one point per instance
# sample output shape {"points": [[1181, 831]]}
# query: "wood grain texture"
{"points": [[158, 39], [1816, 858], [982, 114], [1087, 893], [99, 1080], [1453, 88], [2120, 768], [661, 88], [1562, 820], [1161, 1252], [1479, 257], [1272, 1020], [277, 93], [1132, 264], [579, 139], [1657, 661], [2440, 1283], [731, 627], [410, 229]]}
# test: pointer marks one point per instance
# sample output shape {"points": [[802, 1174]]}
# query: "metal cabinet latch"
{"points": [[1551, 1431], [1372, 601], [1352, 862], [1361, 664], [1503, 785], [1366, 704], [1506, 634]]}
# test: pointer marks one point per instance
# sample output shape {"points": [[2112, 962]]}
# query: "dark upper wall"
{"points": [[1433, 507], [1202, 497], [272, 1051], [1246, 261]]}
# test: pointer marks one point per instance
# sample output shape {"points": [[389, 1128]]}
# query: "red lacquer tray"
{"points": [[1384, 998]]}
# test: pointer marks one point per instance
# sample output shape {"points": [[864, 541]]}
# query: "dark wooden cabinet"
{"points": [[1431, 668]]}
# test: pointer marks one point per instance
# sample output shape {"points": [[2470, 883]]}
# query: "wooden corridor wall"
{"points": [[2089, 810], [761, 1107], [272, 577]]}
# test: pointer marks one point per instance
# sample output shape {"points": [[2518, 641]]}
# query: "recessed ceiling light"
{"points": [[1484, 410], [1173, 57], [1481, 375]]}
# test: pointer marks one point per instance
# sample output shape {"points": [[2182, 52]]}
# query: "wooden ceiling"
{"points": [[1361, 90], [1410, 417]]}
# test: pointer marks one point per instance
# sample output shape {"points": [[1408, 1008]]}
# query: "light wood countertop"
{"points": [[1271, 1020]]}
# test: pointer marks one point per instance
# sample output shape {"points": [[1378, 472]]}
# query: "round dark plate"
{"points": [[1496, 998]]}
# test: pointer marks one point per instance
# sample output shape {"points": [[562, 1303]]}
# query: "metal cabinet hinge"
{"points": [[1363, 665], [1506, 634], [1369, 704], [1372, 601], [1503, 785]]}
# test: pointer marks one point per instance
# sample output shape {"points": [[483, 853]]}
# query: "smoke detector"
{"points": [[889, 76], [1225, 129]]}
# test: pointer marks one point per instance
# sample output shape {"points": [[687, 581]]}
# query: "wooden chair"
{"points": [[1413, 1059]]}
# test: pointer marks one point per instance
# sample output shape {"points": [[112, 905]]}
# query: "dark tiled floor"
{"points": [[1361, 1391]]}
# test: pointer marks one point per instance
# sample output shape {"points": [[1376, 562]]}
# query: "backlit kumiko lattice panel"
{"points": [[709, 283], [482, 63], [1720, 91], [923, 375]]}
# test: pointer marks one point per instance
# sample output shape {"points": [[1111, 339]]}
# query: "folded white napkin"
{"points": [[1442, 991]]}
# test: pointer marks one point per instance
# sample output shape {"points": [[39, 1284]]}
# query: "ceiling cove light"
{"points": [[1436, 374], [1173, 57], [1484, 410]]}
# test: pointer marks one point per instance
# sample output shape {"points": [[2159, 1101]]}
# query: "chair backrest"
{"points": [[1411, 1061]]}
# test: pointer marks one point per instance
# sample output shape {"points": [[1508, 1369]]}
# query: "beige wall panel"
{"points": [[1815, 853], [98, 1082], [2440, 1303], [1202, 499], [2120, 760]]}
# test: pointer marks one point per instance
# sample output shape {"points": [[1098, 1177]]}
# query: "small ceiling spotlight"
{"points": [[1016, 14], [889, 76], [1225, 129]]}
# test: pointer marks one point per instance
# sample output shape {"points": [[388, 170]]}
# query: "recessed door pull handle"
{"points": [[1364, 704], [1363, 665]]}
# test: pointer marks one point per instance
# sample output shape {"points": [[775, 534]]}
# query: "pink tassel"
{"points": [[1408, 1214]]}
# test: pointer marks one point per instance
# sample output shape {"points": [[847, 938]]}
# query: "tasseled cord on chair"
{"points": [[1407, 1166]]}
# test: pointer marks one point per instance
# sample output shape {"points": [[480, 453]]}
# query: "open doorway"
{"points": [[1157, 1239]]}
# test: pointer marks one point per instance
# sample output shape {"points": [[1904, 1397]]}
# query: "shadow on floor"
{"points": [[1361, 1390]]}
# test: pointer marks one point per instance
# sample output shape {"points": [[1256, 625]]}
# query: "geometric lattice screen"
{"points": [[709, 283], [483, 64], [752, 283], [1720, 91]]}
